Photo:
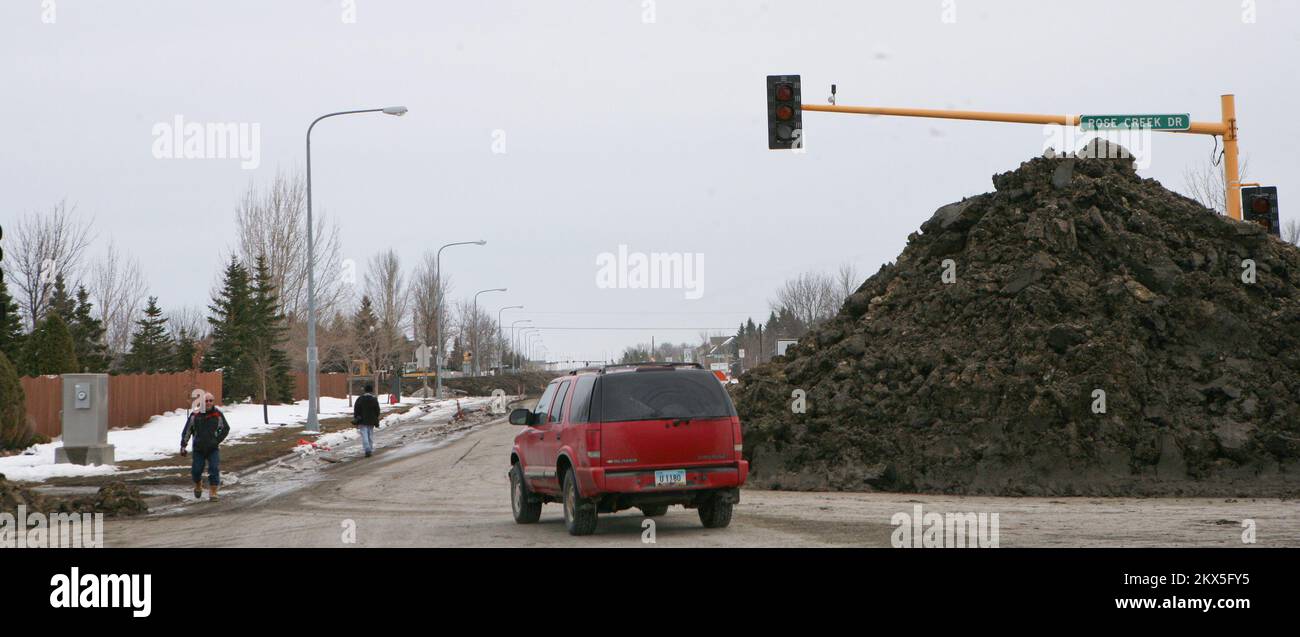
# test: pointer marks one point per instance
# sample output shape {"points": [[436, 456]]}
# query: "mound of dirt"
{"points": [[531, 383], [1079, 331], [11, 496], [119, 499], [114, 499]]}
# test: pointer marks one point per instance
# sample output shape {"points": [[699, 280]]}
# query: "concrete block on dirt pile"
{"points": [[1063, 174], [946, 215]]}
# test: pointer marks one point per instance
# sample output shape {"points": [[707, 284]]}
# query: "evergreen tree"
{"points": [[456, 360], [88, 335], [229, 321], [183, 352], [150, 347], [265, 339], [14, 432], [11, 325], [364, 326], [60, 300], [49, 348]]}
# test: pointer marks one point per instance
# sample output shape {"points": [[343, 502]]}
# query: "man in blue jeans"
{"points": [[209, 428], [365, 415]]}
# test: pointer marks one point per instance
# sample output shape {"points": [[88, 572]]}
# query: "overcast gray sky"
{"points": [[617, 129]]}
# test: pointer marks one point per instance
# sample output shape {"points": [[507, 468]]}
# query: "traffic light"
{"points": [[784, 113], [1259, 204]]}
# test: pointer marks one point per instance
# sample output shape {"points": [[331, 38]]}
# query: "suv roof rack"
{"points": [[601, 369], [656, 364]]}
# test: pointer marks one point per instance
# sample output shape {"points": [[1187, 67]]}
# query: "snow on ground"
{"points": [[442, 410], [161, 437]]}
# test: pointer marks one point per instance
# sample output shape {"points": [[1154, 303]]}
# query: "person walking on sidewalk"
{"points": [[365, 415], [208, 427]]}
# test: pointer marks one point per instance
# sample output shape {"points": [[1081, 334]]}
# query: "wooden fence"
{"points": [[132, 399], [331, 385]]}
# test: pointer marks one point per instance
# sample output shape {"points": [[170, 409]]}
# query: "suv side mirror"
{"points": [[520, 417]]}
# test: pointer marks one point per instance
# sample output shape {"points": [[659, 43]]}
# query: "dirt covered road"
{"points": [[454, 493]]}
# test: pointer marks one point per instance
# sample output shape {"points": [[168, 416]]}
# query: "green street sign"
{"points": [[1176, 121]]}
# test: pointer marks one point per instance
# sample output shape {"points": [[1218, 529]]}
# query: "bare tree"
{"points": [[1291, 232], [810, 297], [847, 282], [480, 329], [386, 287], [428, 301], [337, 342], [272, 221], [118, 289], [47, 244], [189, 319], [1205, 183]]}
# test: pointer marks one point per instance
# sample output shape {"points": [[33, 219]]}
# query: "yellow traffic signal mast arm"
{"points": [[1227, 129]]}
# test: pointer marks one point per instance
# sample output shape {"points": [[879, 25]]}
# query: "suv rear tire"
{"points": [[579, 516], [526, 508], [715, 512], [654, 511]]}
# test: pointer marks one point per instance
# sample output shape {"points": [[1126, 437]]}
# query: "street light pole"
{"points": [[501, 338], [524, 335], [529, 333], [313, 389], [437, 359], [532, 343], [514, 342], [474, 368]]}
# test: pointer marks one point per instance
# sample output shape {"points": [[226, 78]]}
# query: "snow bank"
{"points": [[161, 437], [442, 410]]}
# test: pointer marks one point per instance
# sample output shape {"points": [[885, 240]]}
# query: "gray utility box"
{"points": [[85, 420]]}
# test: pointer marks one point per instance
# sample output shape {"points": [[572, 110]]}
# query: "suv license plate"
{"points": [[671, 478]]}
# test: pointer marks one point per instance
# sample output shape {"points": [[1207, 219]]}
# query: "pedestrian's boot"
{"points": [[198, 490], [212, 493]]}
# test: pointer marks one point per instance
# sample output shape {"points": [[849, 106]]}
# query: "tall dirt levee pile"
{"points": [[1096, 334]]}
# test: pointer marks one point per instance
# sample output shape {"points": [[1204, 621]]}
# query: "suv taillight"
{"points": [[593, 445]]}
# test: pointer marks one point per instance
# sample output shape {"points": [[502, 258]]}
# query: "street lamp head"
{"points": [[481, 242], [395, 110]]}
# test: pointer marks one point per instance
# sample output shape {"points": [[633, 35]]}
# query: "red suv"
{"points": [[647, 435]]}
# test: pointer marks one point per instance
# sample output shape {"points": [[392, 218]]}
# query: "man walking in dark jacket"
{"points": [[365, 415], [209, 428]]}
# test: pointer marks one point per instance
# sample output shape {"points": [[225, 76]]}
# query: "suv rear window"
{"points": [[652, 395], [581, 404]]}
